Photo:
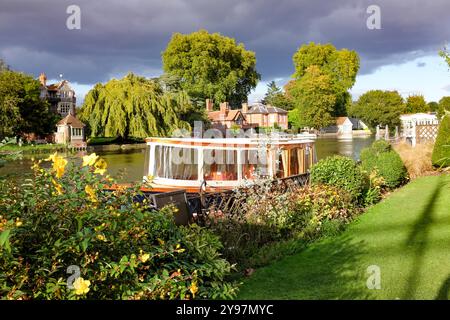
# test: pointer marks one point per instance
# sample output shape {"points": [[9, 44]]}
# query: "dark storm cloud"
{"points": [[120, 36]]}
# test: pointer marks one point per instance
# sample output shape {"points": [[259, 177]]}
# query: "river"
{"points": [[128, 165]]}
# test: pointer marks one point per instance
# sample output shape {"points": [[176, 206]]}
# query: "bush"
{"points": [[273, 216], [417, 159], [441, 151], [341, 172], [380, 158], [63, 221]]}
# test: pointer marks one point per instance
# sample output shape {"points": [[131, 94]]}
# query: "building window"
{"points": [[77, 132], [64, 108]]}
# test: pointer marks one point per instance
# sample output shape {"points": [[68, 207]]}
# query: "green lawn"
{"points": [[407, 236]]}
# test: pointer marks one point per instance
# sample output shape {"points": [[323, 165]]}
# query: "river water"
{"points": [[128, 165]]}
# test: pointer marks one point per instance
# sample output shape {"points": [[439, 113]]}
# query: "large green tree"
{"points": [[276, 97], [135, 107], [340, 65], [21, 109], [314, 100], [416, 104], [444, 106], [377, 107], [211, 66]]}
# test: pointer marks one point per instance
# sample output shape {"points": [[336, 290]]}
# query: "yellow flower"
{"points": [[89, 160], [193, 288], [18, 223], [100, 166], [144, 257], [59, 164], [52, 157], [91, 193], [57, 186], [101, 237], [81, 286]]}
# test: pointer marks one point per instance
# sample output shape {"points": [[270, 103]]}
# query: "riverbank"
{"points": [[33, 149], [406, 236]]}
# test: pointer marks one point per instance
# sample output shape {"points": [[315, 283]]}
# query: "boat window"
{"points": [[176, 163], [220, 165], [254, 164]]}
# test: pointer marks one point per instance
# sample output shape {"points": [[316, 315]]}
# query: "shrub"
{"points": [[441, 151], [417, 159], [63, 218], [341, 172], [385, 162], [273, 216]]}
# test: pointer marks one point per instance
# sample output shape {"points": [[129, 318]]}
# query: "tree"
{"points": [[314, 100], [446, 55], [21, 109], [340, 65], [377, 107], [444, 106], [441, 150], [276, 97], [211, 66], [433, 106], [416, 104], [134, 107]]}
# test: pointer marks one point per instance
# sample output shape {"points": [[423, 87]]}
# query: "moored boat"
{"points": [[214, 165]]}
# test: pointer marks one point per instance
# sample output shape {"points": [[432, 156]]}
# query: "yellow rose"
{"points": [[89, 160], [81, 286]]}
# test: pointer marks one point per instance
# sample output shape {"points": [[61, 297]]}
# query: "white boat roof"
{"points": [[273, 140]]}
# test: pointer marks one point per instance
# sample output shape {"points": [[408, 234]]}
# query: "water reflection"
{"points": [[346, 147]]}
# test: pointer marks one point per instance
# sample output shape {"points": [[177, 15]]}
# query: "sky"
{"points": [[116, 37]]}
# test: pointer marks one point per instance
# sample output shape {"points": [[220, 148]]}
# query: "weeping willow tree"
{"points": [[135, 107]]}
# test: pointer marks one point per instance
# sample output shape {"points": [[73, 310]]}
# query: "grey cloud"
{"points": [[119, 36]]}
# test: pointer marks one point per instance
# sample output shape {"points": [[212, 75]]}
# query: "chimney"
{"points": [[209, 105], [43, 79], [224, 108], [244, 107]]}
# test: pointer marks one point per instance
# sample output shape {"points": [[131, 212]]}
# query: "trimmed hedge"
{"points": [[341, 172], [441, 151], [383, 160]]}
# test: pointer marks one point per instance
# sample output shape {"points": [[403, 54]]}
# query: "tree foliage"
{"points": [[433, 106], [135, 107], [314, 100], [444, 106], [377, 107], [340, 65], [276, 97], [21, 109], [446, 55], [441, 151], [211, 66], [416, 104]]}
